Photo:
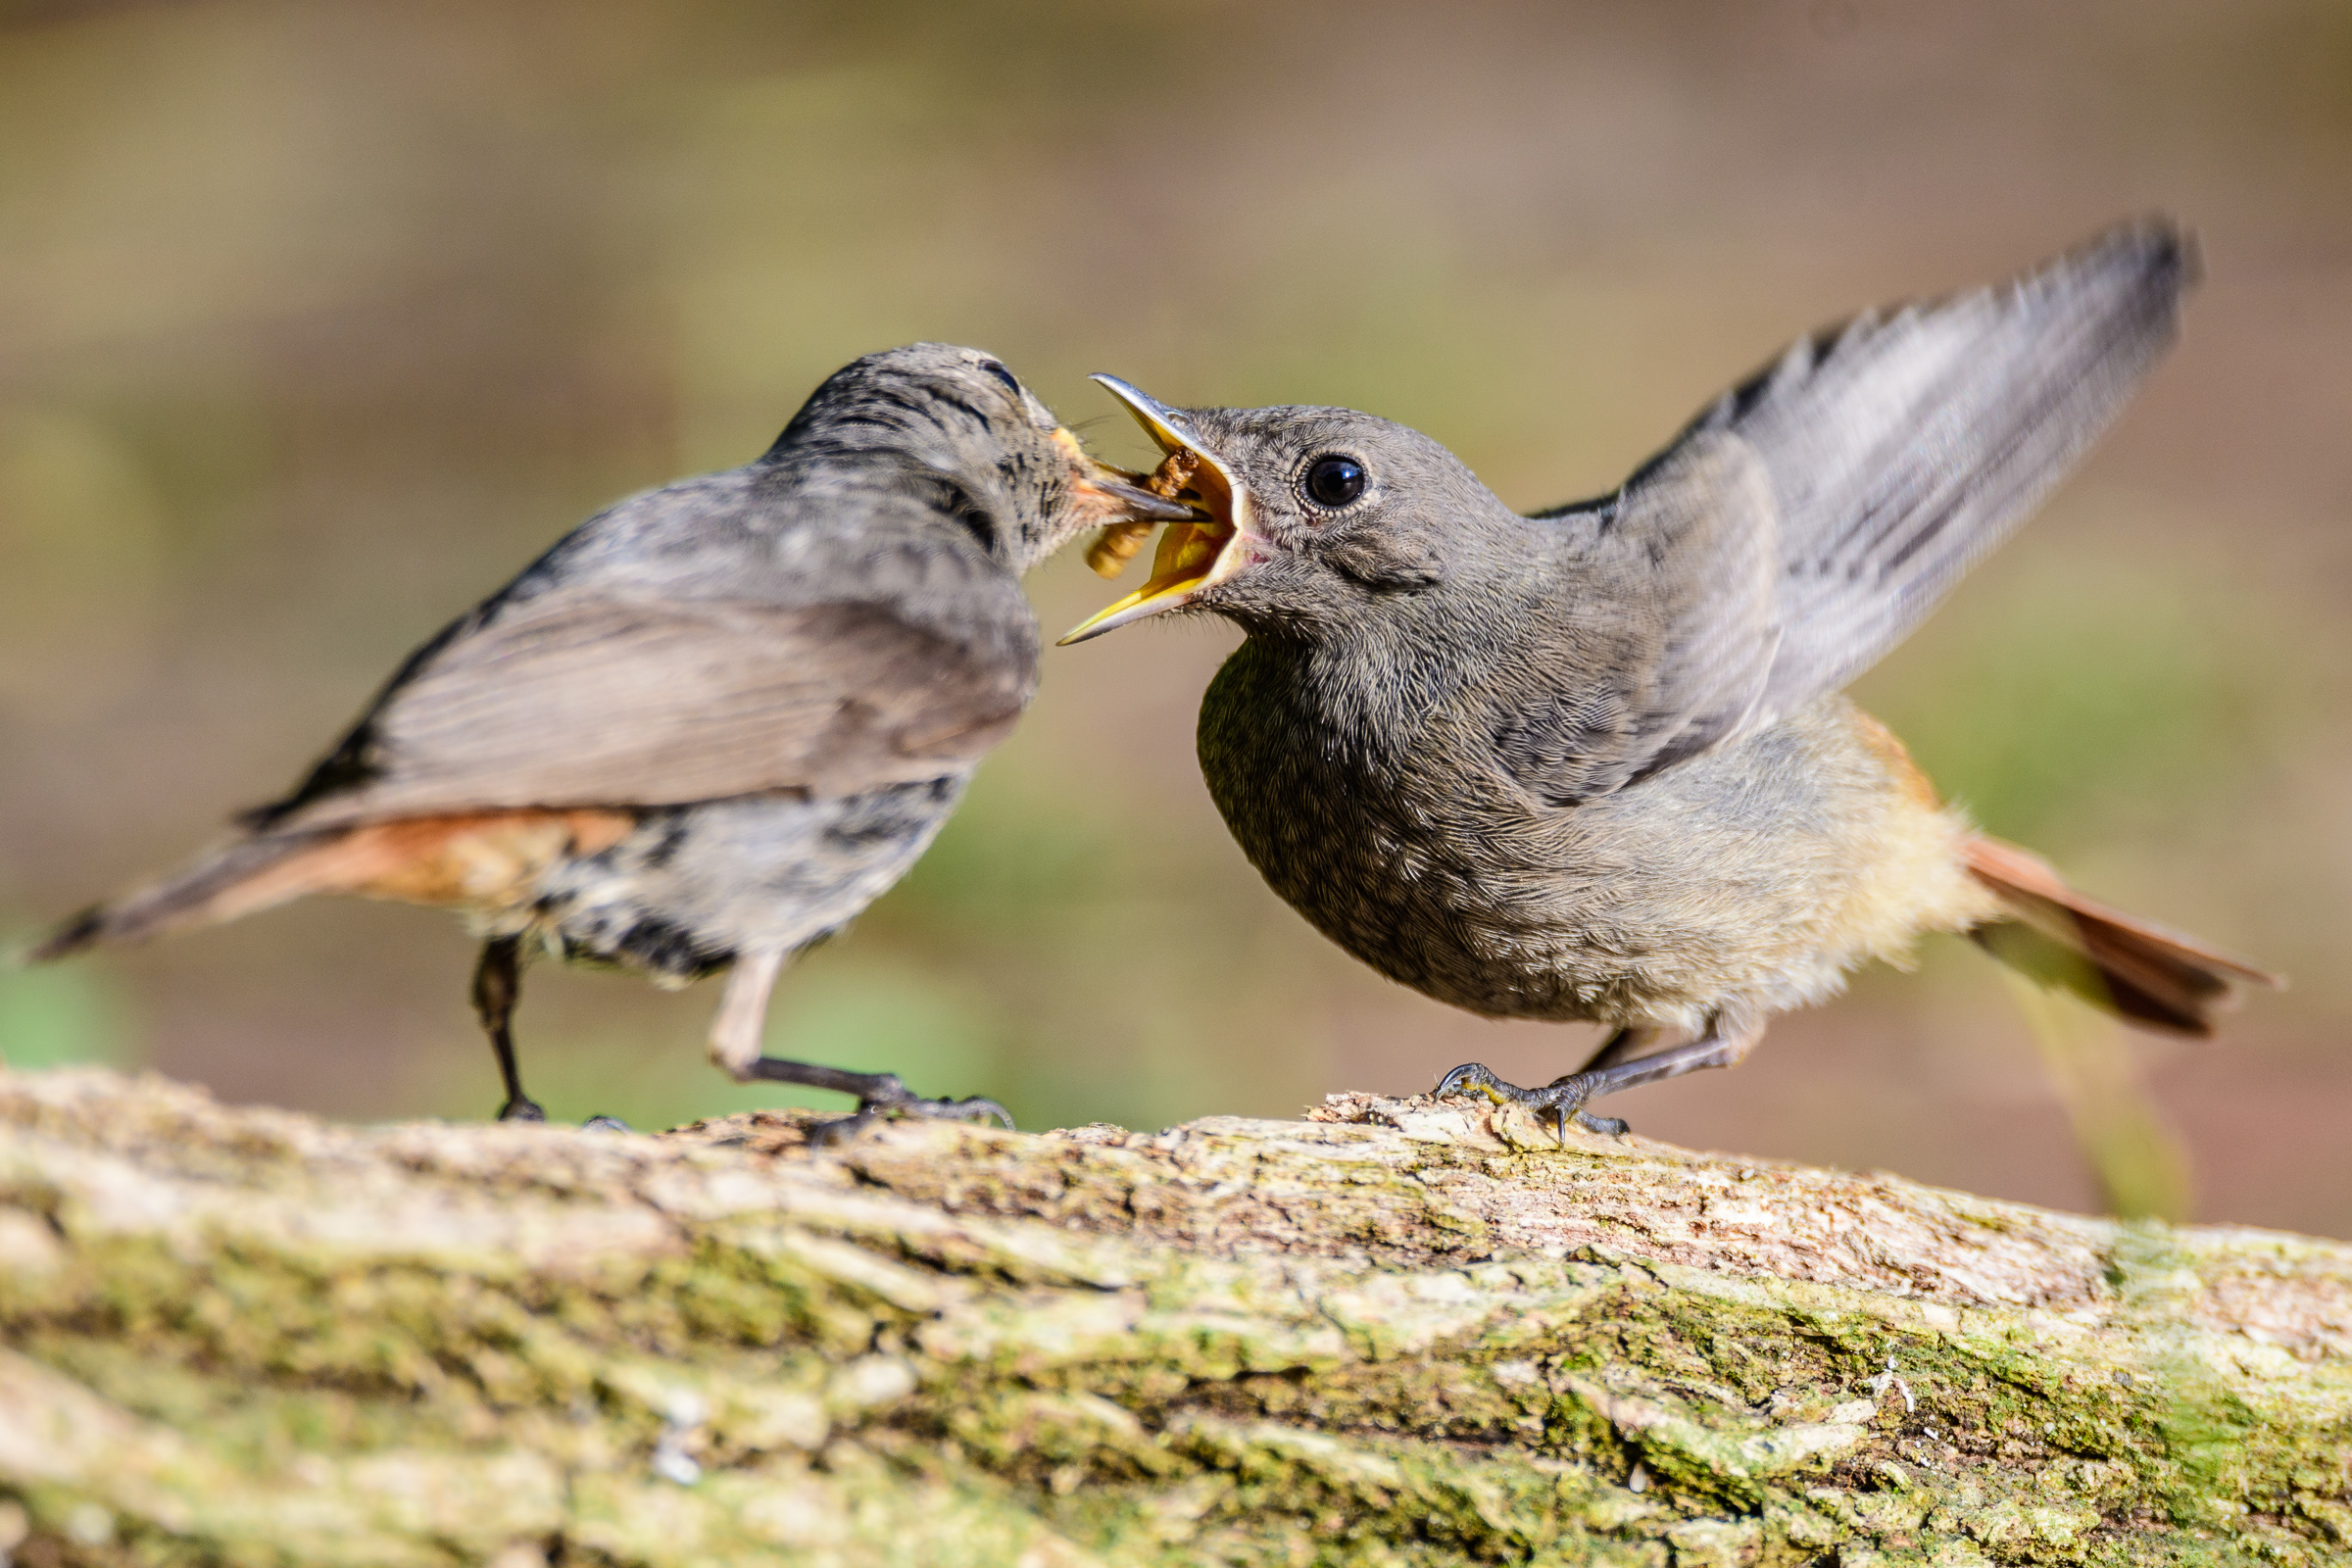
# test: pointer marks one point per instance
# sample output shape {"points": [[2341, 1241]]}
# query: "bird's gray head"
{"points": [[1307, 520], [956, 428]]}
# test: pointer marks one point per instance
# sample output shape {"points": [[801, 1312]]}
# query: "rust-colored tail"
{"points": [[2156, 978], [221, 886], [475, 858]]}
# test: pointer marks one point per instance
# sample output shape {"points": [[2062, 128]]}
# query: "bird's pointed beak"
{"points": [[1199, 550], [1113, 496]]}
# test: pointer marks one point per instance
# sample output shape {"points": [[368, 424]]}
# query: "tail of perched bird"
{"points": [[2157, 978], [220, 886], [481, 860]]}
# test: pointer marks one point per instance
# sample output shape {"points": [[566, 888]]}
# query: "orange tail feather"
{"points": [[2157, 978], [482, 859]]}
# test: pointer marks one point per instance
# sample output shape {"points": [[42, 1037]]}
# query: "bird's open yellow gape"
{"points": [[1193, 554]]}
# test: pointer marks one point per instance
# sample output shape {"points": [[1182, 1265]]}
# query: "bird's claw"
{"points": [[529, 1110], [1476, 1077], [971, 1109], [886, 1098], [886, 1095], [1563, 1099]]}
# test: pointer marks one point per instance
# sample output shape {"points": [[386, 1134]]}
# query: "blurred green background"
{"points": [[318, 320]]}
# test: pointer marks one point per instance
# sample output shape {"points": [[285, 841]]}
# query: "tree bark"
{"points": [[1402, 1331]]}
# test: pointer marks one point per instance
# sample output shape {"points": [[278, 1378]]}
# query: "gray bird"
{"points": [[1593, 763], [712, 723]]}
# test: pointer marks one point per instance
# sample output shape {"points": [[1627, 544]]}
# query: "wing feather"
{"points": [[1873, 463], [585, 697]]}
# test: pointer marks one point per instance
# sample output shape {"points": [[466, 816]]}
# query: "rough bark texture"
{"points": [[1405, 1332]]}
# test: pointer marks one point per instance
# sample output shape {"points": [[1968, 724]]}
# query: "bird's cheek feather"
{"points": [[1387, 563]]}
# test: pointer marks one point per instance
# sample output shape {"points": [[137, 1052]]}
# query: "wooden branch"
{"points": [[1400, 1331]]}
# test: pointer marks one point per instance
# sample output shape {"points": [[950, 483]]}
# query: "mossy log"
{"points": [[1401, 1332]]}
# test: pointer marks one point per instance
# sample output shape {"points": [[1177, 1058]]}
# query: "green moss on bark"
{"points": [[1411, 1335]]}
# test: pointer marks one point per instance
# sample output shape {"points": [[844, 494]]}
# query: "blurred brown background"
{"points": [[318, 322]]}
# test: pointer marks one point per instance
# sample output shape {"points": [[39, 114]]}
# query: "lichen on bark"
{"points": [[1400, 1331]]}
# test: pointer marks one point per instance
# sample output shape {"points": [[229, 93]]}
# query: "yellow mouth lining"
{"points": [[1191, 556]]}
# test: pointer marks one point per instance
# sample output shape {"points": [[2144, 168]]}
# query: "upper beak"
{"points": [[1141, 504], [1112, 491], [1198, 549]]}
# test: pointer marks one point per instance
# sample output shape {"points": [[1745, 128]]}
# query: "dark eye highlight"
{"points": [[1002, 374], [1333, 481]]}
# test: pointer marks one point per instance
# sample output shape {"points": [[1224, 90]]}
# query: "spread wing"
{"points": [[1815, 514], [584, 696]]}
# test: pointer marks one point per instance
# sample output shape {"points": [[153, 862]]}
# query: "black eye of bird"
{"points": [[1334, 481], [1002, 374]]}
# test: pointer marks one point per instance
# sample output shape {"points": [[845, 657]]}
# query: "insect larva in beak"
{"points": [[1115, 546]]}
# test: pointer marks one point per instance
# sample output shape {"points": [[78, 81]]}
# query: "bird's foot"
{"points": [[973, 1109], [520, 1109], [881, 1097], [1563, 1099], [884, 1099], [604, 1124]]}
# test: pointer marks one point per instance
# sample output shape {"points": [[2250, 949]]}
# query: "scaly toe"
{"points": [[973, 1109], [1476, 1078], [888, 1100], [1559, 1101]]}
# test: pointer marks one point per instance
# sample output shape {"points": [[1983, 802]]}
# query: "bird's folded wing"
{"points": [[1893, 453], [1670, 629], [586, 698]]}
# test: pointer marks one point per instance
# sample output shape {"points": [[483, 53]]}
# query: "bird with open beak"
{"points": [[1595, 763], [711, 724]]}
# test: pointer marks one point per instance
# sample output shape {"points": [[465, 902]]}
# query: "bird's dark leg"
{"points": [[497, 983], [1722, 1046], [742, 1023], [1629, 1041]]}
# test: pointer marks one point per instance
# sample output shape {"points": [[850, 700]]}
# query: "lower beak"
{"points": [[1197, 551]]}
